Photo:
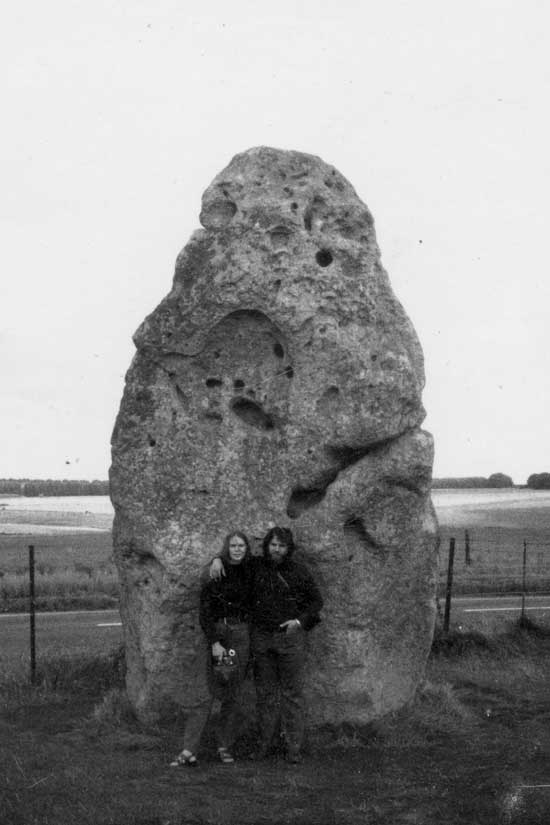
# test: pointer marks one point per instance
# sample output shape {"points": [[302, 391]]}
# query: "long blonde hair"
{"points": [[224, 555]]}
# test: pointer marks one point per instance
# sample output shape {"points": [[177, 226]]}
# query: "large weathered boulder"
{"points": [[278, 383]]}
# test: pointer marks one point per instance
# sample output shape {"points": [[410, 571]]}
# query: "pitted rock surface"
{"points": [[279, 382]]}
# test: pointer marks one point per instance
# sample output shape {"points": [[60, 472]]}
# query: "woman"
{"points": [[223, 616]]}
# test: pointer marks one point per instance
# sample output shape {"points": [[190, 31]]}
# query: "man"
{"points": [[285, 605]]}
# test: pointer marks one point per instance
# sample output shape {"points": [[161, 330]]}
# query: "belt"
{"points": [[271, 629]]}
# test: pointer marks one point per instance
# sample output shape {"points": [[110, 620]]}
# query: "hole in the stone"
{"points": [[181, 395], [238, 384], [219, 213], [354, 528], [307, 220], [289, 372], [252, 413], [373, 357], [324, 257], [301, 500], [214, 415], [294, 206], [277, 283], [278, 350], [251, 393], [151, 440], [280, 236], [216, 354], [213, 382]]}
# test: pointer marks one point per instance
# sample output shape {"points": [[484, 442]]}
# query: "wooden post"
{"points": [[467, 556], [449, 589], [523, 580], [32, 614]]}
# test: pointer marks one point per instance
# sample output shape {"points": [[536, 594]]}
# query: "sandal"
{"points": [[226, 758], [185, 759]]}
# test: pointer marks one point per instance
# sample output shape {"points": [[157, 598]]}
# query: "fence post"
{"points": [[32, 613], [449, 589], [467, 556], [523, 580]]}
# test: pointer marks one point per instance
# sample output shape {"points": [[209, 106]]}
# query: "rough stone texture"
{"points": [[279, 382]]}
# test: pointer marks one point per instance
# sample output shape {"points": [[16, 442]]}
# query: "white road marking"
{"points": [[531, 598], [56, 613], [109, 624], [497, 609]]}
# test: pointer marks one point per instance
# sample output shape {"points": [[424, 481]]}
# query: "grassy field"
{"points": [[473, 748], [76, 569], [496, 538], [72, 570]]}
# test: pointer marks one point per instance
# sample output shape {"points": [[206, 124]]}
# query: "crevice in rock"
{"points": [[214, 382], [303, 498], [354, 528], [252, 413], [213, 415], [180, 393]]}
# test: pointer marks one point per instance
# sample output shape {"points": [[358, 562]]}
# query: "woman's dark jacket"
{"points": [[229, 598]]}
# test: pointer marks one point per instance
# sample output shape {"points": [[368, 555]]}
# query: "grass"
{"points": [[467, 749], [76, 571], [72, 571]]}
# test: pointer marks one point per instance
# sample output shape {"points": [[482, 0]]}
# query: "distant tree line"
{"points": [[52, 487], [539, 481], [494, 480]]}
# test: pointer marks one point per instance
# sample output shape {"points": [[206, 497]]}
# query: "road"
{"points": [[101, 629], [86, 630], [500, 604]]}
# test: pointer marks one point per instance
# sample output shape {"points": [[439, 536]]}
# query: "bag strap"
{"points": [[284, 581]]}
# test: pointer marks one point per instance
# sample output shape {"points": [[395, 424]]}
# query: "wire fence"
{"points": [[472, 563], [494, 565]]}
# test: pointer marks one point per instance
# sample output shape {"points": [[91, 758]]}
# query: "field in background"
{"points": [[491, 533], [72, 570], [74, 564]]}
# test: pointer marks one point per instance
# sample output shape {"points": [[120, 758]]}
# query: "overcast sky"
{"points": [[117, 115]]}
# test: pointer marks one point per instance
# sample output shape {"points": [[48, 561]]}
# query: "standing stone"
{"points": [[279, 382]]}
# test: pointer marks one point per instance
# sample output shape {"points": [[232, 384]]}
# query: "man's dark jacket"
{"points": [[281, 592]]}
